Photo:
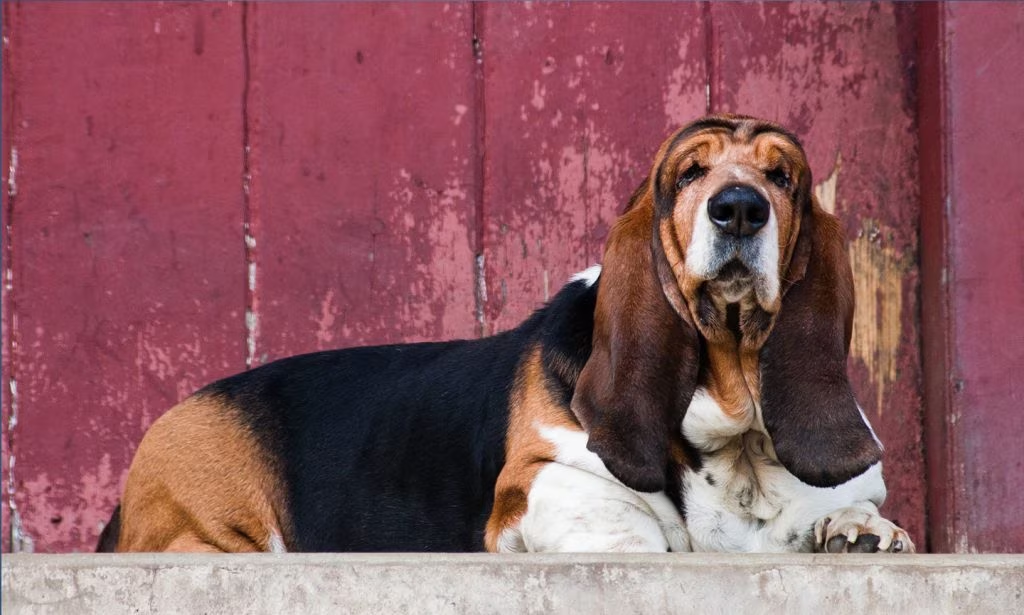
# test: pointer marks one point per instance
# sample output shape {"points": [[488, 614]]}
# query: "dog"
{"points": [[690, 394]]}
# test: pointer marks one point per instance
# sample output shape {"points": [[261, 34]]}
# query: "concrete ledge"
{"points": [[481, 583]]}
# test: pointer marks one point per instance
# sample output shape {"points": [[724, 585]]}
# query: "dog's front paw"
{"points": [[855, 530]]}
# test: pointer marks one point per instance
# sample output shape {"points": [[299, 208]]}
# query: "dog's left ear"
{"points": [[816, 426]]}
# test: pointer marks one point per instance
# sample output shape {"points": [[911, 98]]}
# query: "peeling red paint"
{"points": [[578, 98], [127, 242], [7, 189], [363, 133]]}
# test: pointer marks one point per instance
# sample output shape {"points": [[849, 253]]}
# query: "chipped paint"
{"points": [[12, 173], [552, 198], [251, 329], [685, 82], [12, 420], [826, 190], [70, 520], [878, 272], [20, 542], [252, 299], [539, 92], [429, 216], [325, 323], [480, 291], [128, 278]]}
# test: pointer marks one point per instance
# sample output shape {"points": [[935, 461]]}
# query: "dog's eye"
{"points": [[690, 175], [778, 177]]}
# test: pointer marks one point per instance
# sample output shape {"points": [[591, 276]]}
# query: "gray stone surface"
{"points": [[585, 584]]}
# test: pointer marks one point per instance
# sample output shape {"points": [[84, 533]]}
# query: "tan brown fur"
{"points": [[531, 405], [201, 482], [725, 382]]}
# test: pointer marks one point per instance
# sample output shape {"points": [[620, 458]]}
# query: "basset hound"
{"points": [[691, 395]]}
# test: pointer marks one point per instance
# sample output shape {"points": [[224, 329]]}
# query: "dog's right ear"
{"points": [[642, 370]]}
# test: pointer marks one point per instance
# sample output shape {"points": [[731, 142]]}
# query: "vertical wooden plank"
{"points": [[128, 270], [936, 323], [838, 74], [362, 134], [973, 268], [577, 97], [7, 190]]}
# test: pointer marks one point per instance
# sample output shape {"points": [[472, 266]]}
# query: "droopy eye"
{"points": [[690, 175], [778, 177]]}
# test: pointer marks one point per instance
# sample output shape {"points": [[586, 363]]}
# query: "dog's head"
{"points": [[724, 244]]}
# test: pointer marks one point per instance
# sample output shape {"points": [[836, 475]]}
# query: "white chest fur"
{"points": [[743, 500]]}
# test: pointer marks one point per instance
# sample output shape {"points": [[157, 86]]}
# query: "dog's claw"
{"points": [[855, 530]]}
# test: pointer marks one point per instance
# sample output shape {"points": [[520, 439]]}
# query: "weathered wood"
{"points": [[362, 129], [972, 267], [837, 74], [126, 243], [577, 99], [7, 186]]}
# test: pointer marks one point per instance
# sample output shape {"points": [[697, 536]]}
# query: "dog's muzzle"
{"points": [[737, 251]]}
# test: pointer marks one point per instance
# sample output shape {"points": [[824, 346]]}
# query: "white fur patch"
{"points": [[588, 275], [701, 254], [743, 500], [707, 427], [275, 544], [766, 265], [576, 505], [864, 417]]}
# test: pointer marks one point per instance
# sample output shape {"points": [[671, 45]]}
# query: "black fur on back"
{"points": [[397, 448]]}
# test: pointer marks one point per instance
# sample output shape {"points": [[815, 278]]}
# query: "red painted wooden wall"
{"points": [[197, 188], [972, 265]]}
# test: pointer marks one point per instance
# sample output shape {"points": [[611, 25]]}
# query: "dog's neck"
{"points": [[730, 376], [730, 369]]}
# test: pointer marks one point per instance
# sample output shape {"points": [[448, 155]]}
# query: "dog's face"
{"points": [[725, 244], [728, 192]]}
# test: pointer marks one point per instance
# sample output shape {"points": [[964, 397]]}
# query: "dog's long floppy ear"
{"points": [[816, 426], [642, 370]]}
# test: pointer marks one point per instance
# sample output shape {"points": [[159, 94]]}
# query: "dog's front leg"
{"points": [[572, 510]]}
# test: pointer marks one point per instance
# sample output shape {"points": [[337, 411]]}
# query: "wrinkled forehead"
{"points": [[720, 140]]}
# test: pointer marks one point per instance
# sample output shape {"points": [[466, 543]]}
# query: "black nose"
{"points": [[739, 210]]}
